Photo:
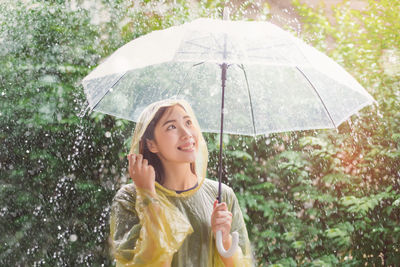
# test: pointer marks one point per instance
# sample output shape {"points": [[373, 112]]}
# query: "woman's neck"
{"points": [[179, 177]]}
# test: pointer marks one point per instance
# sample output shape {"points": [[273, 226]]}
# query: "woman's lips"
{"points": [[189, 146]]}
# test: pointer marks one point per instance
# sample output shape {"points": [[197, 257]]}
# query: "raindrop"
{"points": [[107, 134], [73, 238]]}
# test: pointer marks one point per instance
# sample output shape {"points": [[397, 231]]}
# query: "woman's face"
{"points": [[175, 137]]}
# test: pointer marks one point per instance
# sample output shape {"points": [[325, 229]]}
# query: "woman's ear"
{"points": [[151, 145]]}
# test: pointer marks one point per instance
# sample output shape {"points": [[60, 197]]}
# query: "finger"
{"points": [[221, 207], [222, 204], [132, 159], [225, 228], [224, 216], [221, 216], [146, 166], [223, 221], [151, 169], [138, 163], [139, 159], [130, 168], [221, 213]]}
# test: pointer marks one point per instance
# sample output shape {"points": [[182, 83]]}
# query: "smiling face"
{"points": [[175, 137]]}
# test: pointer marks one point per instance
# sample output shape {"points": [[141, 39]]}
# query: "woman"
{"points": [[169, 216]]}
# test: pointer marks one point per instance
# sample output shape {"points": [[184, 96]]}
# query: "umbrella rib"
{"points": [[251, 103], [184, 78], [201, 46], [194, 65], [315, 90], [108, 91]]}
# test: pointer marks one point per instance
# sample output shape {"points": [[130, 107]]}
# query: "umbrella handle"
{"points": [[235, 243]]}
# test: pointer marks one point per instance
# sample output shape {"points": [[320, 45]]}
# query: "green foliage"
{"points": [[55, 187], [323, 198]]}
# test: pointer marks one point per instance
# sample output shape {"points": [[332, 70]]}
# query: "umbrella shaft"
{"points": [[224, 67]]}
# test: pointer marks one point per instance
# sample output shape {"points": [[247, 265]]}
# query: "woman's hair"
{"points": [[151, 157]]}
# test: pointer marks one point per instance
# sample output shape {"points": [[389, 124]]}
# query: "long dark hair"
{"points": [[151, 157]]}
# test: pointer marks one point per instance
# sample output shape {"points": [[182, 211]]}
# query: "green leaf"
{"points": [[299, 245], [396, 203]]}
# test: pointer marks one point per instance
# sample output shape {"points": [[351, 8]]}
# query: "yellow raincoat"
{"points": [[175, 228]]}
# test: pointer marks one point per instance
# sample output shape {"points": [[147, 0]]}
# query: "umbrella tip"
{"points": [[225, 13]]}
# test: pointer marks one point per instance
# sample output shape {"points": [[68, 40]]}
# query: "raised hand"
{"points": [[142, 173], [221, 219]]}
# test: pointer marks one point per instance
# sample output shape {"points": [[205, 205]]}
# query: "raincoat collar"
{"points": [[172, 193]]}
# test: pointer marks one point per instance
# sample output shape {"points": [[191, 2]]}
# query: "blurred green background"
{"points": [[311, 198]]}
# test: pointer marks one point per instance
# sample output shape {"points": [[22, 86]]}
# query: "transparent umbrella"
{"points": [[240, 77]]}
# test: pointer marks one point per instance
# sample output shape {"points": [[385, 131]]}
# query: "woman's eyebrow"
{"points": [[168, 121]]}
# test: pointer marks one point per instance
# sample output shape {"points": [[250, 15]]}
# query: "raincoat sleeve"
{"points": [[243, 256], [145, 231]]}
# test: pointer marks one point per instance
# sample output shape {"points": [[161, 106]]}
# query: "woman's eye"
{"points": [[171, 127], [189, 122]]}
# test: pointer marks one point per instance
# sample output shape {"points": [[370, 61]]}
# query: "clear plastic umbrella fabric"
{"points": [[275, 82]]}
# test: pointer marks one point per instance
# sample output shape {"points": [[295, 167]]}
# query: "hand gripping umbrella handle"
{"points": [[235, 243]]}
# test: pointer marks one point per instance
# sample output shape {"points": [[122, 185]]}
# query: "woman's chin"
{"points": [[189, 158]]}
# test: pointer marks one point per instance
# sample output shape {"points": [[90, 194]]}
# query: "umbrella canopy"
{"points": [[275, 82]]}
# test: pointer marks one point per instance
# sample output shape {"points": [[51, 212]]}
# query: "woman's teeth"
{"points": [[189, 147]]}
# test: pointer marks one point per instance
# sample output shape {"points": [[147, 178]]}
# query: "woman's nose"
{"points": [[186, 133]]}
